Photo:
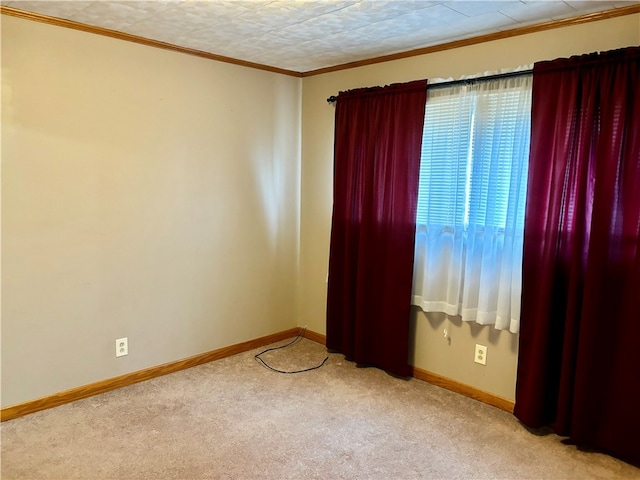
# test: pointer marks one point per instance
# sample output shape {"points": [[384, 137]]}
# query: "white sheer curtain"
{"points": [[471, 205]]}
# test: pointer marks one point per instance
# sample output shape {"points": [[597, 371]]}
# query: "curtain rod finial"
{"points": [[332, 99]]}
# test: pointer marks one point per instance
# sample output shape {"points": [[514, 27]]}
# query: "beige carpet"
{"points": [[235, 419]]}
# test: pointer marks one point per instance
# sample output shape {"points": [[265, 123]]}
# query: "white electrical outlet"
{"points": [[122, 347], [481, 354]]}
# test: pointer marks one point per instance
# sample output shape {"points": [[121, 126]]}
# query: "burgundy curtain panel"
{"points": [[579, 357], [378, 138]]}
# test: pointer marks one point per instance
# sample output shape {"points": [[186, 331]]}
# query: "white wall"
{"points": [[432, 352], [145, 193]]}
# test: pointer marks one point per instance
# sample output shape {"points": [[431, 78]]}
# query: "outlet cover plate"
{"points": [[122, 347], [481, 354]]}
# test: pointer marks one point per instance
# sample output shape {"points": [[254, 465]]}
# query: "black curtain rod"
{"points": [[464, 81]]}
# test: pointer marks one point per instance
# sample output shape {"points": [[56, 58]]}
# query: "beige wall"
{"points": [[145, 193], [452, 357], [157, 196]]}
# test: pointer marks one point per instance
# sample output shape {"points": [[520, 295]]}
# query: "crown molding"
{"points": [[14, 12], [539, 27]]}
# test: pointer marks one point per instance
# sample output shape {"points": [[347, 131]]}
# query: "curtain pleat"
{"points": [[579, 355], [378, 134]]}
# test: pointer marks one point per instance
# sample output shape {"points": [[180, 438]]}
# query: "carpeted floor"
{"points": [[234, 419]]}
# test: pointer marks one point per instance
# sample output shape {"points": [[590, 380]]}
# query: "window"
{"points": [[471, 204]]}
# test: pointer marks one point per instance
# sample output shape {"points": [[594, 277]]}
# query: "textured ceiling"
{"points": [[305, 35]]}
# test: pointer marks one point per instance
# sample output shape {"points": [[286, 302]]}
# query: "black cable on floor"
{"points": [[295, 340]]}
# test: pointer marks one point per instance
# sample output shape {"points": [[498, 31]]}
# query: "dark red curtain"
{"points": [[378, 137], [579, 358]]}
